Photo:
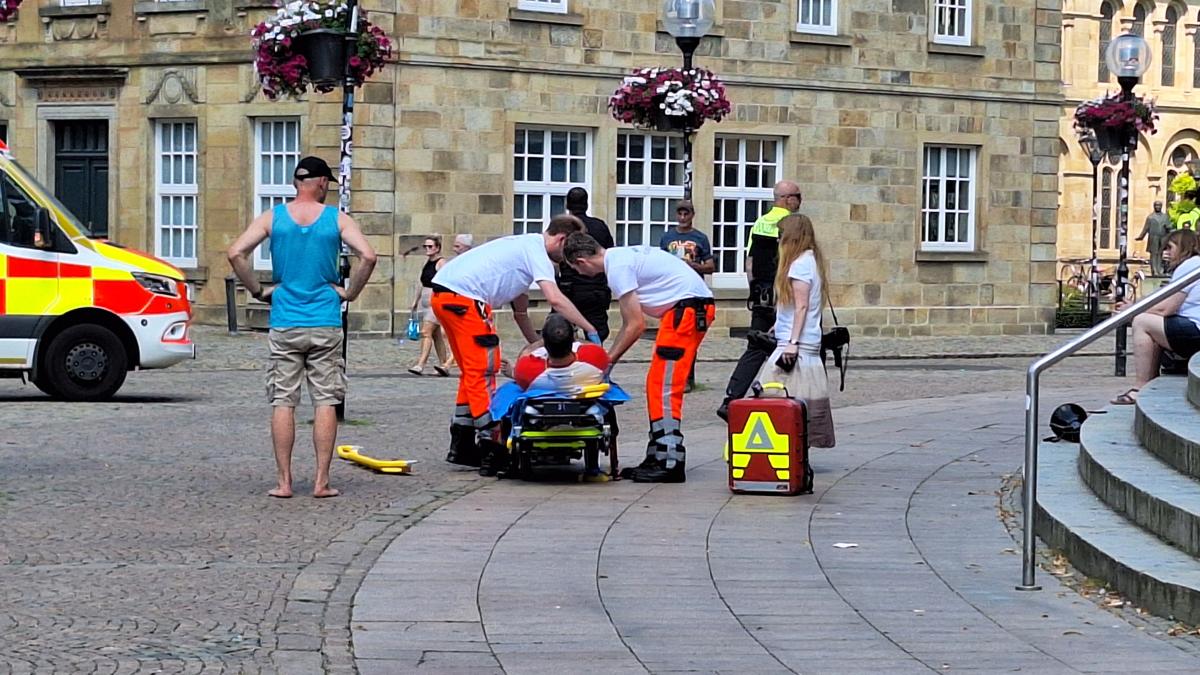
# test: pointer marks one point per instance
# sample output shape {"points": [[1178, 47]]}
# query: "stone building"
{"points": [[1173, 80], [925, 135]]}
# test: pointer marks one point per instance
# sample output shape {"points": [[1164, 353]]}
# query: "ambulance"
{"points": [[78, 313]]}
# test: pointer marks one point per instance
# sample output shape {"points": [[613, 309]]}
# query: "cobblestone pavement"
{"points": [[136, 535]]}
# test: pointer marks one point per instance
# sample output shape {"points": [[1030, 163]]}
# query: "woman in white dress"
{"points": [[800, 294]]}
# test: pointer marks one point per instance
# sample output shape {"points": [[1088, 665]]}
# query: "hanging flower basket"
{"points": [[8, 9], [303, 46], [670, 99], [1108, 116]]}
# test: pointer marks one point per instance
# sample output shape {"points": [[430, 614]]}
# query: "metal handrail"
{"points": [[1031, 409]]}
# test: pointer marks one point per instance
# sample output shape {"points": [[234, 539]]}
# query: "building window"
{"points": [[552, 6], [948, 198], [1106, 207], [649, 184], [80, 3], [952, 22], [817, 16], [546, 163], [1168, 47], [176, 190], [1106, 19], [277, 151], [1139, 20], [745, 170]]}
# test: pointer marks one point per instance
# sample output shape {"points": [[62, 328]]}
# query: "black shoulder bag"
{"points": [[837, 340]]}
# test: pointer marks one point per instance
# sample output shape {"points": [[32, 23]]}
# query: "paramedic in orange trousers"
{"points": [[648, 280], [465, 291]]}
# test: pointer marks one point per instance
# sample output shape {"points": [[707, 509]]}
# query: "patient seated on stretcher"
{"points": [[560, 364]]}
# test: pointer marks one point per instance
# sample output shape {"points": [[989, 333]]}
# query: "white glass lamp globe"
{"points": [[688, 18], [1128, 55]]}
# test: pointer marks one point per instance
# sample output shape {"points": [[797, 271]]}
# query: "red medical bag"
{"points": [[768, 445]]}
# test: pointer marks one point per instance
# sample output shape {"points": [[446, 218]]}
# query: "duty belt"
{"points": [[480, 306], [701, 306]]}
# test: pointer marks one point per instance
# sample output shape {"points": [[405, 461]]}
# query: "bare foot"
{"points": [[281, 492], [326, 492]]}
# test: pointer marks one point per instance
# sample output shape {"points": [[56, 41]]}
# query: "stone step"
{"points": [[1193, 380], [1167, 426], [1106, 546], [1136, 484]]}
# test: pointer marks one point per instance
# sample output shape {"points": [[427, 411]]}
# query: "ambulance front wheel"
{"points": [[85, 363]]}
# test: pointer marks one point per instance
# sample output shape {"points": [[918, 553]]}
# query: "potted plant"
{"points": [[304, 46], [1109, 117], [8, 9], [670, 99]]}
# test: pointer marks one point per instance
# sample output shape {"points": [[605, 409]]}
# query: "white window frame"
{"points": [[545, 187], [79, 3], [763, 194], [169, 187], [940, 211], [280, 188], [804, 19], [667, 193], [942, 9], [548, 6]]}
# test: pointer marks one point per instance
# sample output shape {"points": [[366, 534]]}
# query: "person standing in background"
{"points": [[431, 331], [692, 247], [590, 294], [462, 243]]}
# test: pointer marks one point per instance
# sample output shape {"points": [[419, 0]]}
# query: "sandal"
{"points": [[417, 371], [1125, 398], [441, 371]]}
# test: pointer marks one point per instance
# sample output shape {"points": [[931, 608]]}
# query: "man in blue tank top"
{"points": [[306, 319]]}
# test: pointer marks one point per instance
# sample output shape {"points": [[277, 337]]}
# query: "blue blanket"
{"points": [[510, 394]]}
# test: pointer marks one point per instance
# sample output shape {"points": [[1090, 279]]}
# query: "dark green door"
{"points": [[81, 171]]}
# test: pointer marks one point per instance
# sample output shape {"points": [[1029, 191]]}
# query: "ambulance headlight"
{"points": [[157, 284]]}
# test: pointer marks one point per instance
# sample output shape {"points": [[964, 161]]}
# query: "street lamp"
{"points": [[1091, 145], [688, 21], [1128, 56], [344, 164]]}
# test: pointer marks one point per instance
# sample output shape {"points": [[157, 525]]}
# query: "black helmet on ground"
{"points": [[1066, 421]]}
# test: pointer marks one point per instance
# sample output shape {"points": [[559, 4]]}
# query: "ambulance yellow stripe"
{"points": [[72, 294], [139, 260], [109, 274], [30, 296], [3, 266]]}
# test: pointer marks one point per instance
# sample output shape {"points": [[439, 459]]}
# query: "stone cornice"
{"points": [[616, 74]]}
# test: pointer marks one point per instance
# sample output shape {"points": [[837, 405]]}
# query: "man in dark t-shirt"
{"points": [[590, 295], [687, 243]]}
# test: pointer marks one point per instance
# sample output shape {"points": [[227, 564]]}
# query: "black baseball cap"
{"points": [[313, 167]]}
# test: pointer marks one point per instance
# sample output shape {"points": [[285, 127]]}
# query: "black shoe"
{"points": [[495, 459], [463, 448], [723, 411], [659, 474], [648, 463]]}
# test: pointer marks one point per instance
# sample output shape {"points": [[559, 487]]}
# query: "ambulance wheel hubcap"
{"points": [[86, 361]]}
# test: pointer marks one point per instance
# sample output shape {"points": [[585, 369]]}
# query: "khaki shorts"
{"points": [[314, 354]]}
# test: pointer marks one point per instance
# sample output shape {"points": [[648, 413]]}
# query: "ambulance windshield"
{"points": [[47, 195]]}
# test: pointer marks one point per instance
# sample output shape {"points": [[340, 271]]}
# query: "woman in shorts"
{"points": [[1173, 323]]}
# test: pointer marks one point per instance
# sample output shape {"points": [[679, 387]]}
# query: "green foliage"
{"points": [[1180, 207], [1183, 184]]}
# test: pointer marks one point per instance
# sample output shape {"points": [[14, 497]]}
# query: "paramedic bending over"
{"points": [[465, 291]]}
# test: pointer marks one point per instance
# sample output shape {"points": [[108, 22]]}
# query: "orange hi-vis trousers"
{"points": [[680, 332], [471, 333]]}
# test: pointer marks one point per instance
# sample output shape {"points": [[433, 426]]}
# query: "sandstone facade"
{"points": [[882, 116]]}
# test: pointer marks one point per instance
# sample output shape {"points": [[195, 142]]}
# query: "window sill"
{"points": [[255, 4], [977, 51], [715, 31], [796, 37], [194, 274], [952, 256], [544, 17], [173, 7], [54, 12]]}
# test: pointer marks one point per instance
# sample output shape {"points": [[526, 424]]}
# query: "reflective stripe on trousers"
{"points": [[472, 336], [674, 354]]}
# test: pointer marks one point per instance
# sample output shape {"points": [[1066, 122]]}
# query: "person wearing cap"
{"points": [[465, 291], [306, 298], [692, 247]]}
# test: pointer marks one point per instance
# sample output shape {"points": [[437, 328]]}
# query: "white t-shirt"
{"points": [[1191, 304], [499, 271], [660, 279], [803, 269], [568, 378]]}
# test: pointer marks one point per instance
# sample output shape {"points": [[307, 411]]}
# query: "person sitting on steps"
{"points": [[1174, 323]]}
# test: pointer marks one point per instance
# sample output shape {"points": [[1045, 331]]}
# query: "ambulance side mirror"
{"points": [[44, 234]]}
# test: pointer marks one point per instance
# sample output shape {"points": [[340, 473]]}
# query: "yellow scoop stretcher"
{"points": [[352, 453]]}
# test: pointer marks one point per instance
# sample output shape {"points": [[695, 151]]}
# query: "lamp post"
{"points": [[688, 21], [344, 164], [1095, 155], [1128, 56]]}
